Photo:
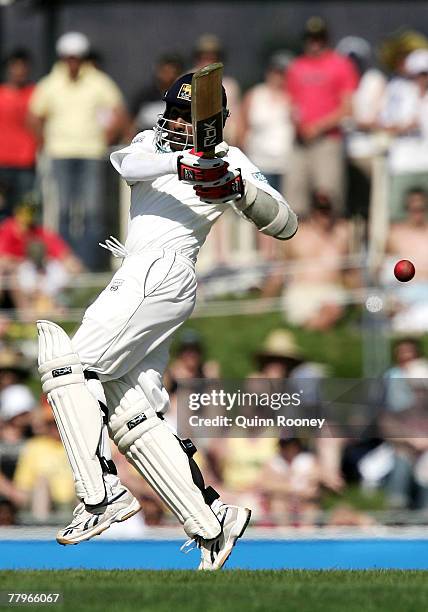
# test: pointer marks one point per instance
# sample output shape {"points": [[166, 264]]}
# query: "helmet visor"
{"points": [[173, 132]]}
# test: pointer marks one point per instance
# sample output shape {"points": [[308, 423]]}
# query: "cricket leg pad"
{"points": [[150, 445], [77, 412]]}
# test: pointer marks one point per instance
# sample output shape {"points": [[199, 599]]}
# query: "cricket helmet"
{"points": [[178, 99]]}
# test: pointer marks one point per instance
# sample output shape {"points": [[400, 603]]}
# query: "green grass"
{"points": [[264, 591], [353, 496], [233, 340]]}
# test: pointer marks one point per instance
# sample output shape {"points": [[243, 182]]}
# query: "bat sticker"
{"points": [[207, 132]]}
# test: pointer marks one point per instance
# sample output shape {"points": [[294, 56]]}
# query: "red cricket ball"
{"points": [[404, 270]]}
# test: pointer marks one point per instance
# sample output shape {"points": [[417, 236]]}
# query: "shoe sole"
{"points": [[233, 540], [134, 508]]}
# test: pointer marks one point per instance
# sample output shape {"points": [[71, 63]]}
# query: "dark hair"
{"points": [[19, 54], [170, 58], [415, 342], [286, 442], [316, 29], [416, 190]]}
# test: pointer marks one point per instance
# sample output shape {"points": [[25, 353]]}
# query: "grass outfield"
{"points": [[176, 591]]}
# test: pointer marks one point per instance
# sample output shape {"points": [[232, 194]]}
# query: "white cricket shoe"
{"points": [[215, 553], [85, 525]]}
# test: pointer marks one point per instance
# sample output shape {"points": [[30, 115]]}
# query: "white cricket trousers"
{"points": [[126, 333]]}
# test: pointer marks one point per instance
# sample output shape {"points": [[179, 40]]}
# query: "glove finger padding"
{"points": [[194, 169], [228, 188]]}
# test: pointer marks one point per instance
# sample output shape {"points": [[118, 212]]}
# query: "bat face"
{"points": [[207, 108]]}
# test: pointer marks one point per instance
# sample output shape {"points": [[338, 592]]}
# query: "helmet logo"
{"points": [[185, 92]]}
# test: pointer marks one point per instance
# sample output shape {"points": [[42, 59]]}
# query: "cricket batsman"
{"points": [[107, 380]]}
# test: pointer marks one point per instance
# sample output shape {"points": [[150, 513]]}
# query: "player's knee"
{"points": [[59, 366], [132, 418], [151, 386]]}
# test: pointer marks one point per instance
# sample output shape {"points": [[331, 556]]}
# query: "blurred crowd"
{"points": [[341, 130], [287, 478]]}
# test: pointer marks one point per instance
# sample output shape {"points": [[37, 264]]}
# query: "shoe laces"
{"points": [[113, 245], [190, 545]]}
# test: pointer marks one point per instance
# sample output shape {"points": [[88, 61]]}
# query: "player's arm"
{"points": [[252, 197], [140, 162], [36, 124], [266, 208]]}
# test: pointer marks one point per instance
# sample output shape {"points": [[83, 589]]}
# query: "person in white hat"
{"points": [[362, 139], [16, 404], [14, 401], [405, 116], [417, 63], [72, 44], [76, 112]]}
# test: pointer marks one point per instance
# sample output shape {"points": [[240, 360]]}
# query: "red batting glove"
{"points": [[195, 169], [231, 188]]}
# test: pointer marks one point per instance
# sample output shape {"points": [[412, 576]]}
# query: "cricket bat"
{"points": [[207, 109]]}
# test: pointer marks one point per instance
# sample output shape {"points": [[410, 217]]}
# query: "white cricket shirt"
{"points": [[165, 212]]}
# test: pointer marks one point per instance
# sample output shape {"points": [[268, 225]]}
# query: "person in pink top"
{"points": [[319, 84], [17, 143]]}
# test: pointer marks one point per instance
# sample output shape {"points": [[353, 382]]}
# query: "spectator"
{"points": [[43, 474], [16, 410], [17, 142], [320, 84], [409, 364], [39, 283], [16, 400], [209, 50], [16, 403], [189, 362], [403, 426], [404, 116], [408, 240], [20, 235], [8, 512], [363, 141], [291, 483], [315, 296], [9, 493], [394, 49], [279, 356], [265, 131], [76, 112], [148, 104], [238, 463]]}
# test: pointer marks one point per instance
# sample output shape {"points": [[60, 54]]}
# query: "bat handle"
{"points": [[209, 154]]}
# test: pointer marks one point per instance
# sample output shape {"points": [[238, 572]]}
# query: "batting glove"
{"points": [[230, 187], [194, 169]]}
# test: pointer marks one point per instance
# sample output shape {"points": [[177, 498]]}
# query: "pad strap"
{"points": [[150, 445]]}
